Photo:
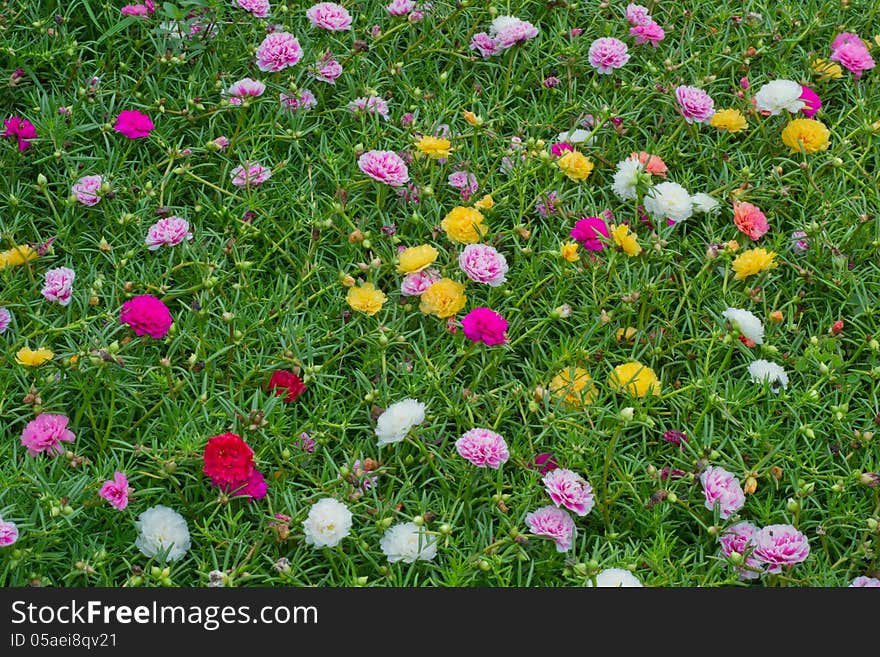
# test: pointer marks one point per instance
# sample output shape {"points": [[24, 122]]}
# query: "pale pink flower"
{"points": [[780, 545], [553, 523], [250, 175], [278, 51], [87, 190], [483, 447], [465, 182], [221, 142], [45, 433], [854, 56], [546, 206], [722, 488], [8, 533], [416, 16], [259, 8], [484, 44], [327, 69], [650, 33], [169, 231], [845, 38], [567, 488], [400, 7], [637, 15], [116, 491], [384, 166], [414, 284], [740, 539], [329, 16], [304, 101], [244, 88], [5, 319], [607, 54], [515, 33], [371, 105], [483, 264], [859, 582], [695, 104], [59, 285]]}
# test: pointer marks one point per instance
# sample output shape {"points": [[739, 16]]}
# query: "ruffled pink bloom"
{"points": [[244, 88], [650, 33], [327, 69], [546, 206], [371, 105], [486, 326], [638, 15], [329, 16], [87, 189], [146, 315], [722, 488], [8, 533], [5, 319], [145, 9], [250, 175], [464, 182], [811, 100], [384, 166], [21, 129], [739, 538], [695, 104], [221, 142], [515, 33], [45, 433], [553, 523], [484, 44], [413, 285], [859, 582], [400, 7], [259, 8], [559, 148], [750, 220], [169, 231], [587, 232], [278, 51], [568, 489], [607, 54], [780, 545], [483, 264], [255, 487], [304, 101], [116, 491], [133, 124], [59, 285], [483, 447], [854, 56], [845, 38], [544, 463]]}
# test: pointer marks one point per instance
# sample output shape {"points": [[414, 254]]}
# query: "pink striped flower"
{"points": [[483, 264], [400, 7], [513, 32], [722, 488], [329, 16], [695, 104], [304, 101], [483, 447], [116, 491], [59, 285], [250, 175], [568, 489], [327, 69], [245, 88], [369, 105], [259, 8], [780, 545], [607, 54], [5, 319], [278, 51], [484, 44], [486, 326], [169, 231], [87, 189], [413, 285], [638, 15], [464, 182], [553, 523], [859, 582], [45, 433], [740, 539], [384, 166], [650, 33], [8, 533]]}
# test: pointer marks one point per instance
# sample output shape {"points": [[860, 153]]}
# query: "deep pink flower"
{"points": [[854, 56], [45, 433], [255, 487], [567, 488], [278, 51], [21, 129], [588, 230], [304, 101], [250, 175], [400, 7], [486, 326], [544, 463], [744, 83], [145, 9], [650, 33], [384, 166], [483, 447], [369, 105], [133, 124], [244, 88], [560, 147], [811, 100], [859, 582], [327, 69], [8, 533], [483, 264], [484, 44], [676, 437], [722, 488], [695, 104], [780, 545], [329, 16], [146, 315], [116, 491], [740, 538], [845, 38], [553, 523], [416, 283], [59, 285], [607, 54], [638, 15], [259, 8], [87, 189], [169, 231]]}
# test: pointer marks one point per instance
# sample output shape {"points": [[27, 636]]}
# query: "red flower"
{"points": [[229, 461], [133, 124], [285, 382]]}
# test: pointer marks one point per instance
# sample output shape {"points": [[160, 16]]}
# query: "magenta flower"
{"points": [[483, 447], [245, 88], [371, 105], [483, 264], [327, 69], [587, 232], [780, 545], [845, 38], [650, 33], [607, 54], [133, 124], [544, 463], [740, 539], [400, 7], [384, 166], [553, 523], [87, 189], [486, 326], [45, 433], [859, 582], [484, 44], [567, 488], [21, 129], [59, 285], [722, 488], [146, 315], [676, 437], [255, 487], [854, 56], [329, 16], [5, 319], [169, 231], [304, 101], [145, 9], [638, 15], [414, 284], [8, 533], [278, 51], [560, 147], [259, 8], [812, 102], [695, 104], [250, 175], [116, 491]]}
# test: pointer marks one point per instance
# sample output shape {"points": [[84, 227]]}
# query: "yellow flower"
{"points": [[444, 298], [464, 225], [569, 251], [366, 298], [731, 120], [634, 378], [30, 358], [485, 203], [753, 261], [472, 118], [825, 70], [626, 335], [434, 147], [625, 240], [577, 386], [17, 255], [416, 258], [810, 134], [575, 165]]}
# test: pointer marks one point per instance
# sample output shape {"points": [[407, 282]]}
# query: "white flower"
{"points": [[746, 323], [393, 425], [162, 529], [626, 179], [778, 95], [503, 23], [406, 542], [616, 578], [704, 203], [328, 522], [669, 200], [576, 136], [763, 370]]}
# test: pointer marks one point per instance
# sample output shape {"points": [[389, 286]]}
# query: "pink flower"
{"points": [[695, 104], [400, 7], [221, 142], [415, 284], [304, 101], [139, 10], [169, 231], [845, 38], [306, 443], [483, 264], [722, 488], [250, 175], [780, 545], [484, 44], [551, 82], [327, 69], [146, 315], [744, 83], [650, 33], [465, 182], [607, 54], [45, 433], [811, 100], [652, 163], [278, 51], [59, 285], [567, 488], [544, 463], [553, 523], [133, 124], [246, 87], [486, 326], [740, 539], [385, 166], [21, 129], [545, 206], [588, 230], [854, 56], [858, 582], [676, 437], [638, 15], [116, 491], [255, 487], [329, 16], [516, 32], [560, 147], [483, 447], [259, 8], [86, 190], [8, 533], [750, 220], [371, 105], [5, 319]]}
